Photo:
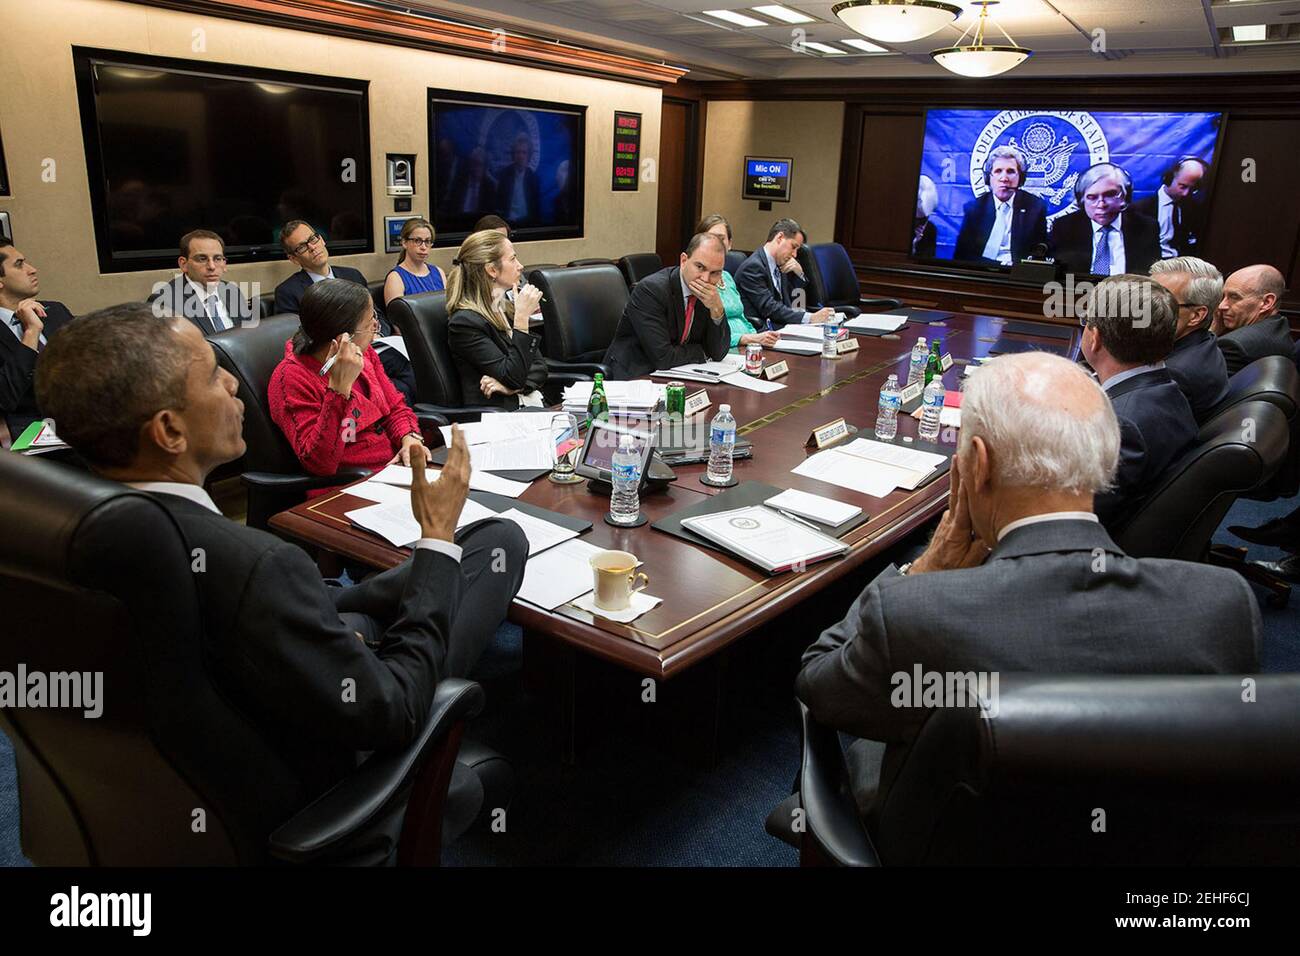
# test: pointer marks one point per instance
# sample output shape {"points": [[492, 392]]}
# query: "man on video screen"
{"points": [[1176, 207], [1104, 236], [1004, 224]]}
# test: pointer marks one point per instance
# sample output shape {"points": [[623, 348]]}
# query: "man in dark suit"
{"points": [[1004, 224], [1248, 324], [324, 673], [28, 327], [1103, 236], [674, 316], [771, 281], [1128, 334], [1019, 576], [518, 190], [199, 293], [1195, 363], [1176, 207]]}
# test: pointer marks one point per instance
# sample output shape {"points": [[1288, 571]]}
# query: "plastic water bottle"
{"points": [[931, 407], [722, 442], [916, 368], [625, 472], [830, 336], [890, 400]]}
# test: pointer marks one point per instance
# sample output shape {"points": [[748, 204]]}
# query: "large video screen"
{"points": [[518, 159], [172, 146], [1102, 192]]}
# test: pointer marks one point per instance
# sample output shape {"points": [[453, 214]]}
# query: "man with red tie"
{"points": [[673, 317]]}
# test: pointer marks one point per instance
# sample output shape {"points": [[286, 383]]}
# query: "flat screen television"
{"points": [[172, 146], [998, 185], [519, 159]]}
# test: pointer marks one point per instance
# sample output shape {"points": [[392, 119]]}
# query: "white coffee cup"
{"points": [[616, 579]]}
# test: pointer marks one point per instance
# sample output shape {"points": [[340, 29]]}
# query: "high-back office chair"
{"points": [[1075, 770], [735, 259], [272, 473], [581, 308], [639, 265], [1180, 515], [591, 262], [832, 280], [377, 296], [266, 304], [97, 577]]}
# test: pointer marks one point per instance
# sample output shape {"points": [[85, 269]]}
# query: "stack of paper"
{"points": [[541, 534], [395, 522], [798, 346], [559, 577], [765, 538], [400, 475], [826, 510], [813, 332], [877, 322], [703, 371], [624, 398], [871, 467]]}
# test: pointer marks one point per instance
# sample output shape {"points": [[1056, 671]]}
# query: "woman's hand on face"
{"points": [[526, 301]]}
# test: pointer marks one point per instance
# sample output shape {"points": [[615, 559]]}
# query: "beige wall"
{"points": [[40, 120], [810, 132]]}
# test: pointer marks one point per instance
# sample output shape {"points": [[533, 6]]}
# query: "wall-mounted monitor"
{"points": [[519, 159], [767, 178], [175, 145], [998, 186]]}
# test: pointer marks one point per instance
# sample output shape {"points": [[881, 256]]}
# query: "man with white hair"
{"points": [[1020, 576], [1004, 224], [1196, 364], [1248, 323]]}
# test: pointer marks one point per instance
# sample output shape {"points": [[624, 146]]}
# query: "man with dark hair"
{"points": [[1247, 322], [1003, 225], [664, 324], [492, 222], [199, 293], [518, 190], [1128, 332], [28, 326], [144, 402], [767, 280]]}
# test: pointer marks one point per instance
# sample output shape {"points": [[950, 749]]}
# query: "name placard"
{"points": [[846, 345], [911, 393], [945, 362], [697, 402], [828, 434], [776, 370]]}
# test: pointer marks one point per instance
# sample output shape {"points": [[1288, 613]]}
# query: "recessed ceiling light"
{"points": [[825, 48], [784, 14], [734, 16], [1254, 32], [865, 45]]}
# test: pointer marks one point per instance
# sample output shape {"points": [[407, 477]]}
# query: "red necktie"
{"points": [[690, 311]]}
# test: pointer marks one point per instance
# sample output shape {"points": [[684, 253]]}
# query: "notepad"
{"points": [[797, 346], [877, 322], [765, 538], [826, 510], [540, 534]]}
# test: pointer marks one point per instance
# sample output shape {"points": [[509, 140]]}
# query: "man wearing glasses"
{"points": [[199, 293], [1103, 236], [1196, 363]]}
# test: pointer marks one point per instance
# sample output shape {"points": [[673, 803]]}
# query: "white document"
{"points": [[394, 521], [770, 540], [639, 393], [950, 417], [826, 510], [395, 342], [503, 426], [378, 491], [400, 475], [909, 458], [798, 346], [877, 322], [849, 471], [540, 534], [516, 454], [751, 382], [804, 331], [560, 575]]}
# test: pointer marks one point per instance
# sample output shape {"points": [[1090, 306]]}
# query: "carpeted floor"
{"points": [[646, 789]]}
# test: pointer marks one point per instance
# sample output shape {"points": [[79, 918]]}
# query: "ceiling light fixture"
{"points": [[784, 14], [1250, 33], [896, 21], [825, 48], [865, 46], [733, 16], [980, 59]]}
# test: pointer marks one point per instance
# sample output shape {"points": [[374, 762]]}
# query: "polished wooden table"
{"points": [[709, 599]]}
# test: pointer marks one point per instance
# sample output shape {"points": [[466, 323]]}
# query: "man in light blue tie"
{"points": [[1004, 224]]}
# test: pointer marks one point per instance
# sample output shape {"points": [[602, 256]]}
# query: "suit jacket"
{"points": [[649, 333], [762, 299], [276, 647], [18, 370], [532, 196], [1028, 225], [514, 360], [289, 293], [180, 299], [1156, 426], [1197, 367], [1043, 601], [1071, 242], [1268, 336], [1189, 222]]}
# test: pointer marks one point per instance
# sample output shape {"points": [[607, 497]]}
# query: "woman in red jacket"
{"points": [[353, 416]]}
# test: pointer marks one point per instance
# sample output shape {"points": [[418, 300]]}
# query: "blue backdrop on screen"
{"points": [[1059, 145], [517, 163]]}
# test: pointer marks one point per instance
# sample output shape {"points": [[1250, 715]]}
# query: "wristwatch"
{"points": [[905, 568]]}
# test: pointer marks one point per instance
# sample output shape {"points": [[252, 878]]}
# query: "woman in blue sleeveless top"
{"points": [[413, 273]]}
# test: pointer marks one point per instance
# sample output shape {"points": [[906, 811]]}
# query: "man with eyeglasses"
{"points": [[1103, 236], [199, 293], [1196, 363]]}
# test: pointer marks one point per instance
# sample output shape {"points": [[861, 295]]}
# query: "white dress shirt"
{"points": [[1117, 261], [1165, 213], [11, 322], [198, 495], [1006, 529], [1128, 374], [205, 297], [999, 245], [329, 274]]}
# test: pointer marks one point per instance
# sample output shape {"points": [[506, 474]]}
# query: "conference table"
{"points": [[710, 599]]}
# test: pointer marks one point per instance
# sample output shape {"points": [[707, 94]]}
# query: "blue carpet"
{"points": [[640, 794]]}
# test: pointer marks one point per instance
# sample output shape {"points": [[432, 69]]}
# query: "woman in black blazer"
{"points": [[500, 362]]}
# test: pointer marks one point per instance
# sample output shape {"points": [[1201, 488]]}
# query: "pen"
{"points": [[806, 524], [325, 369]]}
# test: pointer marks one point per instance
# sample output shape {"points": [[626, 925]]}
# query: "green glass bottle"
{"points": [[933, 364], [597, 405]]}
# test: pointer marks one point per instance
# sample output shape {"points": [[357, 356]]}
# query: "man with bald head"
{"points": [[1248, 324], [1038, 440]]}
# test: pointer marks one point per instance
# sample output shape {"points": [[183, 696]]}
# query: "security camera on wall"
{"points": [[401, 174]]}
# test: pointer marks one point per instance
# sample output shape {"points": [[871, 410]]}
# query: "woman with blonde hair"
{"points": [[500, 362], [413, 274], [742, 330]]}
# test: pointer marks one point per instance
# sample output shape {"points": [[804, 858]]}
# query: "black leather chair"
{"points": [[95, 576], [639, 265], [589, 262], [1180, 515], [582, 307], [272, 473], [377, 295], [735, 259], [266, 304], [1074, 770], [834, 282]]}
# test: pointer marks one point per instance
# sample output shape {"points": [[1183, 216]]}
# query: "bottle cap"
{"points": [[724, 408], [625, 443]]}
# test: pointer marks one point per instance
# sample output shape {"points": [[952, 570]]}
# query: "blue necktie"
{"points": [[1101, 261]]}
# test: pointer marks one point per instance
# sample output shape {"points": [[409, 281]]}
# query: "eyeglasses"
{"points": [[303, 246], [204, 260], [420, 242], [1111, 195]]}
